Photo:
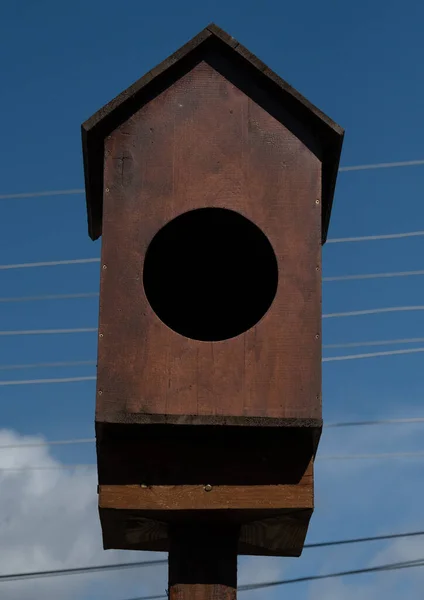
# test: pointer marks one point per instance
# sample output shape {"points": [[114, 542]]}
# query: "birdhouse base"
{"points": [[273, 519]]}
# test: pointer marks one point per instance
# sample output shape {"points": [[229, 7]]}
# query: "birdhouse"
{"points": [[211, 182]]}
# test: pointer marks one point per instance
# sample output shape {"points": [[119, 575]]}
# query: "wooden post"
{"points": [[203, 562]]}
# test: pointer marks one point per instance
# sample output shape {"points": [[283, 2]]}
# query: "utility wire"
{"points": [[47, 381], [259, 586], [41, 194], [251, 586], [80, 570], [368, 238], [375, 343], [373, 276], [375, 538], [50, 263], [355, 277], [50, 297], [352, 313], [86, 466], [49, 331], [406, 421], [77, 363], [371, 311], [390, 165], [93, 377], [372, 354], [51, 365], [77, 191], [376, 422], [387, 567]]}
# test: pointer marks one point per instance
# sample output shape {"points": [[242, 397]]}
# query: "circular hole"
{"points": [[210, 274]]}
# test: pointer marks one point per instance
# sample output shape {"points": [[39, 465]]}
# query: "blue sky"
{"points": [[358, 62]]}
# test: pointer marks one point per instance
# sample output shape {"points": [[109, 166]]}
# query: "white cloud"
{"points": [[49, 520]]}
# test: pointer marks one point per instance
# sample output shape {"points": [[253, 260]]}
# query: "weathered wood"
{"points": [[207, 497], [211, 41], [203, 562], [251, 164], [279, 532], [212, 181]]}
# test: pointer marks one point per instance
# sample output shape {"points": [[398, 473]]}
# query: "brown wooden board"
{"points": [[264, 533], [273, 519], [205, 142]]}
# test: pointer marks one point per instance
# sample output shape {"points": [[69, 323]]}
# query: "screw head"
{"points": [[316, 201], [208, 488], [104, 267], [317, 336], [100, 392], [100, 335], [107, 190]]}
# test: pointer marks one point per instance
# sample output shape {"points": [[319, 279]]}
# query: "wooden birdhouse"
{"points": [[211, 182]]}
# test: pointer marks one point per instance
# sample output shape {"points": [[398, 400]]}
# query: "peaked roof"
{"points": [[94, 131]]}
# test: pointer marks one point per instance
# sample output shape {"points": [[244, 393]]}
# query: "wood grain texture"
{"points": [[262, 533], [192, 497], [155, 169], [203, 562]]}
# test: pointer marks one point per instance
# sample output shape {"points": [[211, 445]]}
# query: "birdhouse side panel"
{"points": [[205, 143]]}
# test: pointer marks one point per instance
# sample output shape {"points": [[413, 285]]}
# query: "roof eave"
{"points": [[102, 123]]}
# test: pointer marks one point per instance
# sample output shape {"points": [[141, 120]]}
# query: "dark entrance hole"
{"points": [[210, 274]]}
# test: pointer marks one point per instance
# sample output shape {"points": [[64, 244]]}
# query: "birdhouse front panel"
{"points": [[210, 303]]}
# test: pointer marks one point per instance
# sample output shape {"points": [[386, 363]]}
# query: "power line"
{"points": [[77, 363], [77, 191], [355, 277], [92, 378], [367, 238], [383, 455], [47, 381], [376, 422], [52, 443], [41, 194], [372, 354], [50, 263], [50, 297], [371, 311], [353, 313], [373, 276], [371, 456], [80, 570], [391, 165], [374, 538], [387, 567], [49, 331], [375, 343], [259, 586], [406, 421], [74, 363], [246, 587]]}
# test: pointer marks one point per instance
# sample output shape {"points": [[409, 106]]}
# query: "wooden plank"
{"points": [[251, 164], [262, 532], [195, 497]]}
